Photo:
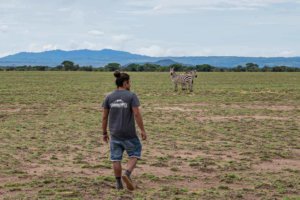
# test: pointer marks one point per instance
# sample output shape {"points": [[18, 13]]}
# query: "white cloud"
{"points": [[96, 32], [158, 7], [181, 50], [64, 9], [8, 4], [34, 47], [121, 38], [188, 6], [3, 28], [38, 47], [287, 53], [152, 50], [73, 45], [88, 45], [48, 47], [157, 30]]}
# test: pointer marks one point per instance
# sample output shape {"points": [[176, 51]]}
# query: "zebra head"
{"points": [[172, 72], [193, 73]]}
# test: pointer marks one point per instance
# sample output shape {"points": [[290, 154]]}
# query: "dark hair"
{"points": [[121, 77]]}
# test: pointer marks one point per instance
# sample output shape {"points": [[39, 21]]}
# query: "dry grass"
{"points": [[235, 137]]}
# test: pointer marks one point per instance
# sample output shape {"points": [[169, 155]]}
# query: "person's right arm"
{"points": [[139, 121]]}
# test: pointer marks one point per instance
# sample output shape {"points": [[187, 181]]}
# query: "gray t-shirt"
{"points": [[121, 117]]}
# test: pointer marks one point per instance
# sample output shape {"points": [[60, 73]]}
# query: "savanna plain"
{"points": [[237, 136]]}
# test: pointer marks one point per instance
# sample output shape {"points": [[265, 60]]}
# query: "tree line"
{"points": [[150, 67]]}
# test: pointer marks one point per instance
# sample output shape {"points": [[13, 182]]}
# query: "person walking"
{"points": [[120, 110]]}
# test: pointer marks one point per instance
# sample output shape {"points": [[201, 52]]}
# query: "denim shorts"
{"points": [[133, 148]]}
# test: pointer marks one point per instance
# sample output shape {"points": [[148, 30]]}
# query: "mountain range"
{"points": [[99, 58]]}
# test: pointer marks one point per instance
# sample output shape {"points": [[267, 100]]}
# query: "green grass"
{"points": [[235, 137]]}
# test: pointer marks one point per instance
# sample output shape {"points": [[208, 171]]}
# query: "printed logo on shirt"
{"points": [[118, 104]]}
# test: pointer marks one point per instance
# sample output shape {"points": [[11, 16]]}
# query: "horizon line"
{"points": [[84, 49]]}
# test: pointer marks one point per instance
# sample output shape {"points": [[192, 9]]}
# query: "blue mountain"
{"points": [[81, 57], [99, 58]]}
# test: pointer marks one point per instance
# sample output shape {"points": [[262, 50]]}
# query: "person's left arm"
{"points": [[137, 115], [139, 121]]}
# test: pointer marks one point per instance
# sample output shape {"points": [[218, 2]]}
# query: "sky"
{"points": [[265, 28]]}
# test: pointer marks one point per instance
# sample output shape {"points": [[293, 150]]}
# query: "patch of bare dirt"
{"points": [[64, 164], [239, 106], [175, 108], [192, 185], [266, 107], [8, 179], [42, 169], [189, 154], [157, 171], [239, 118], [296, 152], [10, 110], [278, 165], [189, 107], [227, 155], [19, 110], [203, 181], [193, 104]]}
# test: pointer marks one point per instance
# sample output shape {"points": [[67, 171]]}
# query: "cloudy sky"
{"points": [[153, 27]]}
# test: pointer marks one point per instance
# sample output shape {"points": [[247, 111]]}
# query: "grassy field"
{"points": [[237, 136]]}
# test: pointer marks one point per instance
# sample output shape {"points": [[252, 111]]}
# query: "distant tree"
{"points": [[279, 69], [150, 67], [86, 68], [163, 69], [204, 68], [112, 67], [222, 69], [99, 69], [217, 69], [40, 68], [132, 67], [266, 68], [57, 68], [68, 65], [252, 67], [141, 68], [292, 69], [177, 67], [239, 68], [190, 68]]}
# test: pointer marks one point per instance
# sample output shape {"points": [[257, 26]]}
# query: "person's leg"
{"points": [[117, 168], [118, 174], [133, 148], [131, 164], [116, 153]]}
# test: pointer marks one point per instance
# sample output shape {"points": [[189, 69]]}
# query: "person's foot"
{"points": [[119, 186], [128, 182]]}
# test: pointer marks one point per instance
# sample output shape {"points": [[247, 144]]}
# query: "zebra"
{"points": [[193, 73], [183, 79]]}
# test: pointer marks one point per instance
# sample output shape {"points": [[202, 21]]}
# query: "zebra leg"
{"points": [[183, 86], [191, 86], [175, 88], [186, 86]]}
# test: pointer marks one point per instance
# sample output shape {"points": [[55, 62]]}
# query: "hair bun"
{"points": [[117, 74]]}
